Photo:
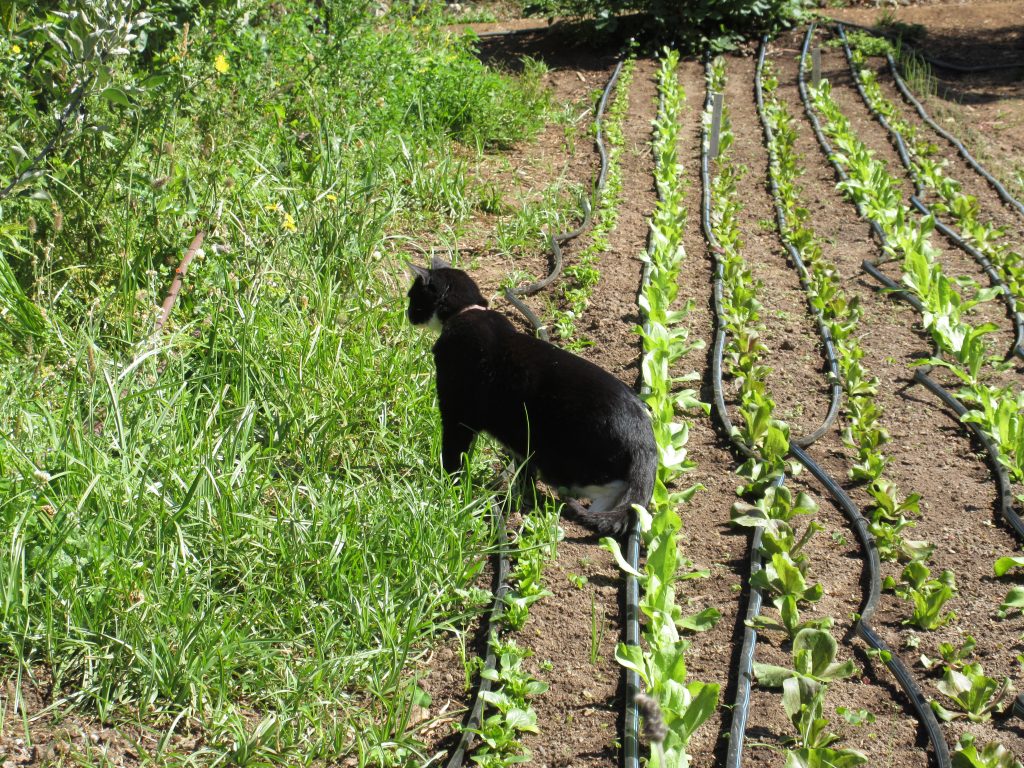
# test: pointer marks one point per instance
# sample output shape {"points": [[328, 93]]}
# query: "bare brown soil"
{"points": [[930, 453]]}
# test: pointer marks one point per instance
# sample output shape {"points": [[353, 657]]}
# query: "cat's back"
{"points": [[486, 344]]}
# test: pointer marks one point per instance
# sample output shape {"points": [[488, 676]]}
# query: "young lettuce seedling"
{"points": [[928, 595], [974, 693], [993, 755], [814, 658], [952, 656]]}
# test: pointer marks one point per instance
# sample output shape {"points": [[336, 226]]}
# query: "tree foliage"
{"points": [[692, 23]]}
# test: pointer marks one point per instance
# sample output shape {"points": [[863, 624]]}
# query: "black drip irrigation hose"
{"points": [[994, 278], [858, 522], [745, 674], [819, 318], [631, 712], [1000, 190], [867, 265], [965, 69], [1006, 509], [863, 627], [471, 723], [555, 240]]}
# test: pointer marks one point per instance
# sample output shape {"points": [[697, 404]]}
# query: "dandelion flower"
{"points": [[332, 198], [221, 64], [289, 223], [15, 49]]}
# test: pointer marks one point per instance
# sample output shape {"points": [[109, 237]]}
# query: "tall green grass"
{"points": [[241, 520]]}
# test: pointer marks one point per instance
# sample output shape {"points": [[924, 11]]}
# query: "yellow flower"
{"points": [[332, 198], [15, 49], [221, 64], [289, 223]]}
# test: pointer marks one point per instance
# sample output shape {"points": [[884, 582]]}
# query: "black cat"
{"points": [[579, 426]]}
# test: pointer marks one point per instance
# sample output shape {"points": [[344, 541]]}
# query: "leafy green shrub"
{"points": [[690, 23]]}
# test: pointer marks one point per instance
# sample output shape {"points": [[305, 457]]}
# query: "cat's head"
{"points": [[439, 293]]}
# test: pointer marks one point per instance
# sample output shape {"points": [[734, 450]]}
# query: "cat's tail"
{"points": [[614, 521]]}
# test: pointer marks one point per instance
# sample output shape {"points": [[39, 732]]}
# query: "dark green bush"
{"points": [[692, 23]]}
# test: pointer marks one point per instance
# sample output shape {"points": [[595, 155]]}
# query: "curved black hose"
{"points": [[555, 240], [993, 276], [863, 627], [744, 677], [631, 712], [798, 262], [857, 521], [897, 137], [823, 141], [1006, 509], [472, 720], [745, 673], [964, 69], [867, 265], [1000, 190]]}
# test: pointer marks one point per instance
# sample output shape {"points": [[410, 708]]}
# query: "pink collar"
{"points": [[466, 309]]}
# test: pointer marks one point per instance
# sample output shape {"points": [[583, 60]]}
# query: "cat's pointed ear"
{"points": [[438, 263], [417, 271]]}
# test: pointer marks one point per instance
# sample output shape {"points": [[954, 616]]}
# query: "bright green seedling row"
{"points": [[744, 353], [508, 711], [965, 686], [891, 512], [963, 346], [584, 275], [661, 661]]}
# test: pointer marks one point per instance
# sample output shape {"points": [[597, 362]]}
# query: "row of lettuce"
{"points": [[679, 705]]}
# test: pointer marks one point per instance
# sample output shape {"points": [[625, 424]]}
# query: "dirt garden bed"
{"points": [[929, 452]]}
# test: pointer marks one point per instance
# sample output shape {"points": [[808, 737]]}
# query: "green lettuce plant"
{"points": [[973, 693]]}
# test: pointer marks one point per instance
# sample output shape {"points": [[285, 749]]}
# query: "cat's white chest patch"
{"points": [[602, 497], [434, 323]]}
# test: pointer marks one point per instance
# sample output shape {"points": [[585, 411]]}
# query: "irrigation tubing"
{"points": [[631, 713], [857, 521], [744, 677], [907, 94], [867, 265], [471, 723], [964, 69], [555, 240], [745, 674], [798, 262], [863, 628], [897, 290], [994, 278], [1006, 509]]}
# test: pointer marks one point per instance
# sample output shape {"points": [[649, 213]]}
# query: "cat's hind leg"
{"points": [[602, 497]]}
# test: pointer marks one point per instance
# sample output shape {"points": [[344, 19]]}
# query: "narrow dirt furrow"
{"points": [[612, 315], [797, 381], [955, 263], [929, 452]]}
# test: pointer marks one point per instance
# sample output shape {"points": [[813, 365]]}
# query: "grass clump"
{"points": [[238, 521]]}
